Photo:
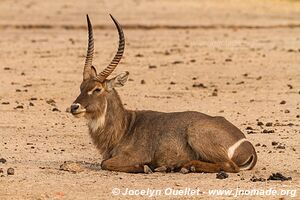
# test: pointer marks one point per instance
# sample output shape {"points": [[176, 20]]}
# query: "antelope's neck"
{"points": [[108, 128]]}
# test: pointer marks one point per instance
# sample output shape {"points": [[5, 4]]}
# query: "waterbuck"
{"points": [[147, 141]]}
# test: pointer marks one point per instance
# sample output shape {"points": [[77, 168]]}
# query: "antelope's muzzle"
{"points": [[76, 109]]}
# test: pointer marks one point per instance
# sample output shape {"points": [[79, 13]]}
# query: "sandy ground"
{"points": [[248, 52]]}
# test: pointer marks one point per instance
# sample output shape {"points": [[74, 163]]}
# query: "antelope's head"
{"points": [[95, 87]]}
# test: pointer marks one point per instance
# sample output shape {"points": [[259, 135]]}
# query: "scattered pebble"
{"points": [[71, 167], [177, 62], [221, 175], [199, 85], [260, 124], [268, 131], [139, 55], [274, 143], [283, 102], [279, 177], [290, 86], [143, 82], [280, 146], [152, 66], [2, 160], [55, 110], [51, 102], [10, 171], [255, 179], [269, 124], [19, 107], [215, 92]]}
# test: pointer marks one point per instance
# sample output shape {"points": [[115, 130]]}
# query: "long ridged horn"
{"points": [[113, 64], [90, 51]]}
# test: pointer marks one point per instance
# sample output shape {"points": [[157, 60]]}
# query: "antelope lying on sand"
{"points": [[143, 141]]}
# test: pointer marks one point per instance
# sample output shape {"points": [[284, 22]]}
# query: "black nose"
{"points": [[74, 107]]}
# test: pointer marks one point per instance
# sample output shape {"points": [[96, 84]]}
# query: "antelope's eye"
{"points": [[97, 90]]}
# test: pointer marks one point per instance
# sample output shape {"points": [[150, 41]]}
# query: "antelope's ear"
{"points": [[117, 81]]}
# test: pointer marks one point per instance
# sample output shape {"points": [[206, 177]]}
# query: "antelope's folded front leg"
{"points": [[124, 164]]}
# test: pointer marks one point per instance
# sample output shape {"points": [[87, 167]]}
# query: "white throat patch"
{"points": [[98, 123]]}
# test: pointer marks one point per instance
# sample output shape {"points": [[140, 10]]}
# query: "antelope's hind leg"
{"points": [[200, 166]]}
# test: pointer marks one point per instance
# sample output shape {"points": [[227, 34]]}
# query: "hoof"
{"points": [[147, 170], [161, 169], [184, 170], [193, 169]]}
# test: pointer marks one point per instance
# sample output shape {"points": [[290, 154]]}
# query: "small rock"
{"points": [[215, 92], [280, 146], [283, 102], [139, 55], [287, 111], [71, 167], [269, 124], [221, 175], [33, 98], [274, 143], [5, 103], [51, 102], [290, 86], [143, 82], [268, 131], [31, 104], [279, 177], [255, 179], [19, 107], [228, 60], [177, 62], [55, 110], [260, 124], [10, 171], [2, 160], [199, 85], [152, 66], [172, 83], [249, 128], [257, 145]]}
